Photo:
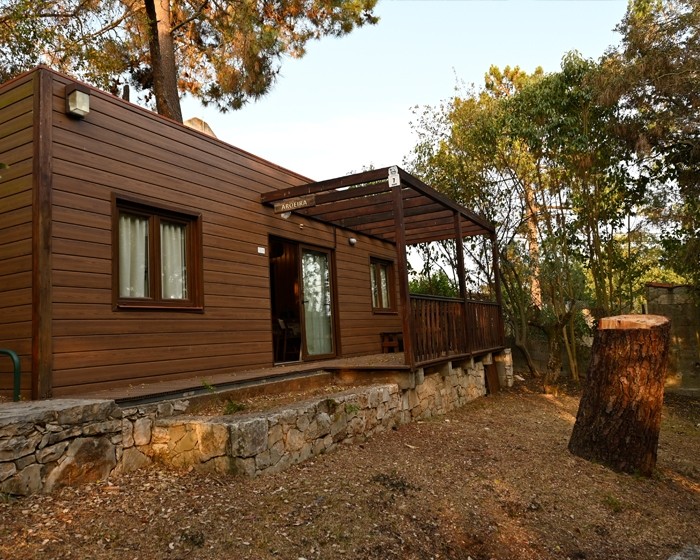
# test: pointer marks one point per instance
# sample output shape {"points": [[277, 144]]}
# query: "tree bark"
{"points": [[162, 50], [619, 415]]}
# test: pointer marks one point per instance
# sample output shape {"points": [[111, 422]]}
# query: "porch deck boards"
{"points": [[180, 387]]}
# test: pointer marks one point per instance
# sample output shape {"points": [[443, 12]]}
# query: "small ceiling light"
{"points": [[352, 241], [285, 215], [77, 100]]}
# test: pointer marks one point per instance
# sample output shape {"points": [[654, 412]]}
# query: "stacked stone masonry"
{"points": [[45, 445]]}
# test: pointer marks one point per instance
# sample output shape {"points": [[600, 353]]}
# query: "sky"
{"points": [[348, 104]]}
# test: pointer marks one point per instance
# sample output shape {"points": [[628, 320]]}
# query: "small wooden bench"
{"points": [[392, 342]]}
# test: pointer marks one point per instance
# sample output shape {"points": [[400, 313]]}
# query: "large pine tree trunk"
{"points": [[619, 415], [162, 50]]}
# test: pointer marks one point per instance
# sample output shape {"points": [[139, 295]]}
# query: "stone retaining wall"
{"points": [[45, 445], [272, 441]]}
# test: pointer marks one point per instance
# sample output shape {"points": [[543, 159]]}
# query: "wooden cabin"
{"points": [[135, 250]]}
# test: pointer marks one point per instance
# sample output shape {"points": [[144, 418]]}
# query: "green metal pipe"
{"points": [[17, 373]]}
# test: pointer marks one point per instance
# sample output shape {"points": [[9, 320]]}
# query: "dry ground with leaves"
{"points": [[493, 480]]}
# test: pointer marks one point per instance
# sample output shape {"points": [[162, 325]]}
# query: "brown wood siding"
{"points": [[16, 139], [360, 327], [119, 148]]}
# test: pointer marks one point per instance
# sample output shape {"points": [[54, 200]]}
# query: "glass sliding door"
{"points": [[317, 302]]}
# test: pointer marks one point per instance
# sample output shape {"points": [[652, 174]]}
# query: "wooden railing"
{"points": [[440, 328]]}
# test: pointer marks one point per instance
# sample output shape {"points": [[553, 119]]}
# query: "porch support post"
{"points": [[402, 265], [462, 276], [497, 288]]}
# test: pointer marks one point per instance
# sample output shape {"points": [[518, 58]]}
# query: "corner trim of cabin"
{"points": [[42, 183]]}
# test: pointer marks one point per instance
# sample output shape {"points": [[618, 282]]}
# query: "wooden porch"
{"points": [[299, 376], [395, 206]]}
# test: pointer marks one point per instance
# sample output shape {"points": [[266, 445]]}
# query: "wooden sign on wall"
{"points": [[295, 204]]}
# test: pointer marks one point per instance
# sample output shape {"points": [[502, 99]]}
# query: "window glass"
{"points": [[133, 256], [373, 281], [173, 262], [380, 282]]}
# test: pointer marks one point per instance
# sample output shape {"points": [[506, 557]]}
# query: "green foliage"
{"points": [[231, 407], [548, 159], [351, 408], [226, 53], [654, 77], [612, 503], [435, 284], [208, 386]]}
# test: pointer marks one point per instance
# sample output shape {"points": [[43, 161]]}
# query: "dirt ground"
{"points": [[493, 480]]}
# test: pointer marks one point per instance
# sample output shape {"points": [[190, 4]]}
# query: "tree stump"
{"points": [[619, 415]]}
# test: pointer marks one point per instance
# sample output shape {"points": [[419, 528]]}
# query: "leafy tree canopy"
{"points": [[221, 52], [655, 76]]}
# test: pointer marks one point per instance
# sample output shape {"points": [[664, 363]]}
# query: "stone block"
{"points": [[143, 429], [274, 435], [23, 483], [86, 460], [288, 417], [164, 410], [100, 428], [243, 467], [303, 422], [219, 465], [52, 453], [180, 406], [17, 429], [132, 459], [294, 440], [306, 451], [68, 433], [70, 411], [127, 433], [19, 446], [276, 452], [185, 443], [7, 470], [160, 435], [213, 440], [263, 460], [249, 437]]}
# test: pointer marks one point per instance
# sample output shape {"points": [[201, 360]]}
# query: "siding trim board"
{"points": [[42, 353]]}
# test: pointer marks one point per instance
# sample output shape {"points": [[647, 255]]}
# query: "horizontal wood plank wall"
{"points": [[16, 135], [359, 326], [120, 148]]}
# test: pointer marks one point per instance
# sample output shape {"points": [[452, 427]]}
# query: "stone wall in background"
{"points": [[45, 445], [678, 304]]}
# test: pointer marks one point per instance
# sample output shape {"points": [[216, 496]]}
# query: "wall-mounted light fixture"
{"points": [[285, 215], [77, 100], [352, 241]]}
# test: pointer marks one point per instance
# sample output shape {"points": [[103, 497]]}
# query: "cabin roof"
{"points": [[365, 202]]}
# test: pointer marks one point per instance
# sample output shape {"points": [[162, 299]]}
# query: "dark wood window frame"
{"points": [[375, 264], [154, 213]]}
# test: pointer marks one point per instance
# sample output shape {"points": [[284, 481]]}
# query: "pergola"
{"points": [[395, 206]]}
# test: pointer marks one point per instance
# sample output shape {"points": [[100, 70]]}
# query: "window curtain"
{"points": [[384, 285], [173, 272], [133, 256], [373, 279], [317, 303]]}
